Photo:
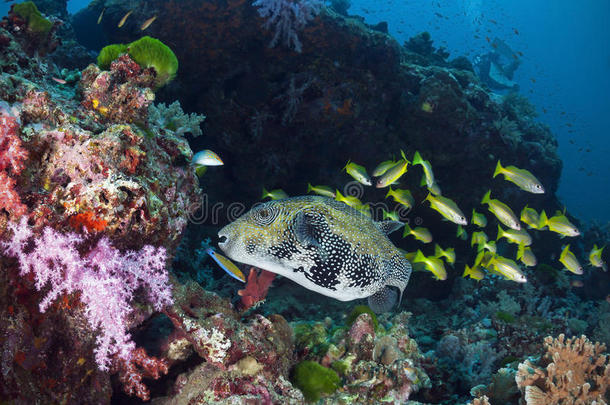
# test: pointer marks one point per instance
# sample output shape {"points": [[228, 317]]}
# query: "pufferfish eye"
{"points": [[265, 215]]}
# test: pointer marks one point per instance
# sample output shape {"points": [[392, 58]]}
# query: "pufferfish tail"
{"points": [[383, 300], [399, 271]]}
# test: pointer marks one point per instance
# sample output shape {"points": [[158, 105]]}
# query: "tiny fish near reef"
{"points": [[323, 245]]}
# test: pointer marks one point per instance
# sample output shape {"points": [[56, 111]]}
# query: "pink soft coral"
{"points": [[106, 279]]}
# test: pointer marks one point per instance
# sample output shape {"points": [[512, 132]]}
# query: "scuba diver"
{"points": [[496, 68]]}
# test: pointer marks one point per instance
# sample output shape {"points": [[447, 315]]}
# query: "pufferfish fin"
{"points": [[383, 300], [388, 227], [307, 229]]}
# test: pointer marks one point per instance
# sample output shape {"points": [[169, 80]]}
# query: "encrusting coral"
{"points": [[573, 371]]}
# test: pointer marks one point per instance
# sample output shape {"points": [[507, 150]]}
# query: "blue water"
{"points": [[565, 71], [565, 68]]}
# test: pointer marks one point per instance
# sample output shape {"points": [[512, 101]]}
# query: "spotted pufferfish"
{"points": [[323, 245]]}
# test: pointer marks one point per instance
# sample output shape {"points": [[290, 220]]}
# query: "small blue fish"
{"points": [[227, 265]]}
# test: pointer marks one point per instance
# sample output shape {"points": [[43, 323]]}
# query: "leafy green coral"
{"points": [[150, 52], [30, 13], [110, 53], [146, 52], [313, 379]]}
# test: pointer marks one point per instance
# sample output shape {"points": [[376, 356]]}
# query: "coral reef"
{"points": [[573, 370], [374, 367], [97, 191], [35, 32], [122, 94], [89, 193], [148, 53]]}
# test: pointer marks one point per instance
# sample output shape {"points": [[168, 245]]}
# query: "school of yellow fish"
{"points": [[388, 173]]}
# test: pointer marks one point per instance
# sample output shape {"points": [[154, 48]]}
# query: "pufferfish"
{"points": [[323, 245]]}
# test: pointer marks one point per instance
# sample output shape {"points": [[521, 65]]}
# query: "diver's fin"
{"points": [[383, 300], [388, 227]]}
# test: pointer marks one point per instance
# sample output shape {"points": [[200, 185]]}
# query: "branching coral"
{"points": [[573, 371], [106, 279], [173, 118], [288, 17]]}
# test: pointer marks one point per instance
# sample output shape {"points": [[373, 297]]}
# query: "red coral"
{"points": [[12, 157], [140, 365], [12, 154], [87, 220], [9, 199], [256, 287]]}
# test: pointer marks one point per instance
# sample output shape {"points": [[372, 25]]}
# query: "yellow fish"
{"points": [[401, 196], [435, 189], [393, 173], [419, 233], [227, 265], [595, 258], [526, 256], [530, 217], [348, 199], [569, 260], [521, 177], [483, 259], [147, 23], [433, 265], [416, 266], [390, 215], [478, 238], [489, 246], [519, 237], [478, 219], [507, 268], [122, 22], [99, 19], [427, 167], [321, 190], [448, 254], [358, 173], [277, 194], [447, 208], [383, 167], [461, 233], [560, 224], [474, 272], [501, 211]]}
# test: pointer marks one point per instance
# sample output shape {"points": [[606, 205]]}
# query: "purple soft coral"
{"points": [[289, 17], [105, 277]]}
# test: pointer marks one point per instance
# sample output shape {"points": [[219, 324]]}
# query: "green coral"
{"points": [[311, 337], [36, 22], [146, 52], [505, 317], [357, 311], [313, 379], [110, 53], [150, 52]]}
